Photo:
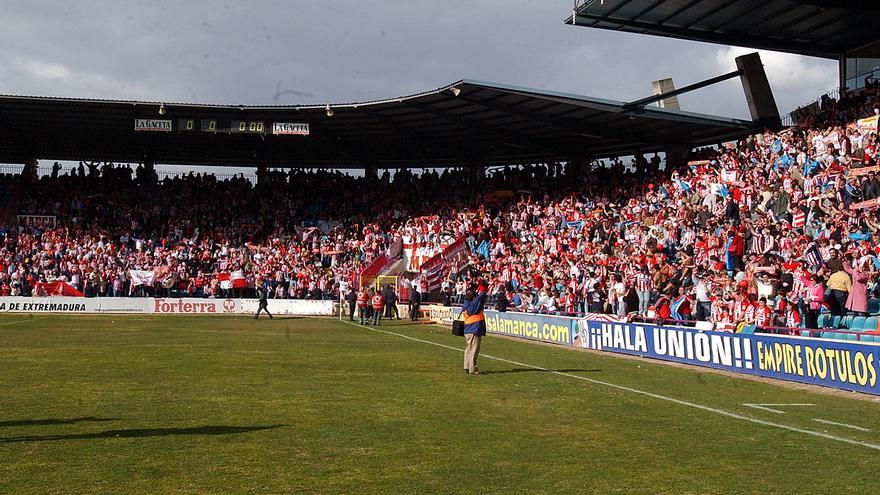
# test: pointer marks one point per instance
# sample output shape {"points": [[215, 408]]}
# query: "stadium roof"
{"points": [[821, 28], [462, 123]]}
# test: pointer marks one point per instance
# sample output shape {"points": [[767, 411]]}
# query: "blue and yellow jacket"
{"points": [[474, 318]]}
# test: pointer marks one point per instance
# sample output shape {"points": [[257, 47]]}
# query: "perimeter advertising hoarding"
{"points": [[843, 365], [290, 128], [442, 314], [552, 329], [74, 305], [152, 125], [296, 307]]}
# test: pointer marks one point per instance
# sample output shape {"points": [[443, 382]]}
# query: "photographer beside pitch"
{"points": [[474, 328]]}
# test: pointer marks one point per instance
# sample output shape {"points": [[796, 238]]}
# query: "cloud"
{"points": [[350, 50], [46, 70]]}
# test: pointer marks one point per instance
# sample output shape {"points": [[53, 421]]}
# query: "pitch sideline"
{"points": [[680, 402]]}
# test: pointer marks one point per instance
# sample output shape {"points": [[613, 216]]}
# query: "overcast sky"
{"points": [[345, 51]]}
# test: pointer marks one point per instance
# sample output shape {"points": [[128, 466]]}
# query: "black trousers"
{"points": [[704, 310], [414, 311], [351, 306], [838, 302], [812, 318], [263, 307]]}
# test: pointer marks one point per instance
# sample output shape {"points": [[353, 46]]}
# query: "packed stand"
{"points": [[768, 230]]}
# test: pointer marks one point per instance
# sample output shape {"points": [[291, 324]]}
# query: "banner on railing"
{"points": [[868, 124], [842, 365], [38, 221], [439, 266]]}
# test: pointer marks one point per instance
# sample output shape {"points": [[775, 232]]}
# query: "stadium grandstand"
{"points": [[741, 233], [740, 248]]}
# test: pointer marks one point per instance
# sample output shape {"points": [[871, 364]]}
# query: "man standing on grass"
{"points": [[415, 302], [263, 295], [351, 298], [474, 328], [390, 302], [363, 302], [378, 306]]}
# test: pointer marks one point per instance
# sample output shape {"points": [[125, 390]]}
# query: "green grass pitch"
{"points": [[194, 405]]}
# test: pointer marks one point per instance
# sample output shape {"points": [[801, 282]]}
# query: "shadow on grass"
{"points": [[142, 433], [53, 421], [532, 370]]}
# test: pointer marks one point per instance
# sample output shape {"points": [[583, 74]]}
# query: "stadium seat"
{"points": [[748, 329], [850, 336], [822, 322], [835, 321], [870, 324], [857, 323], [874, 306]]}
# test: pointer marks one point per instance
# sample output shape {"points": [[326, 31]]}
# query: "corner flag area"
{"points": [[177, 404]]}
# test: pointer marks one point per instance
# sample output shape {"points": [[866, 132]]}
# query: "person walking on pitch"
{"points": [[263, 295]]}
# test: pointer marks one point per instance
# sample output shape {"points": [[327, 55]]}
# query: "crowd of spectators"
{"points": [[767, 230]]}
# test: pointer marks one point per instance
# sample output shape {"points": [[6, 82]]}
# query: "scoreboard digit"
{"points": [[215, 126], [209, 125], [248, 127]]}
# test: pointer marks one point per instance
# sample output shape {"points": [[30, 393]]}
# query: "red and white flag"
{"points": [[238, 280]]}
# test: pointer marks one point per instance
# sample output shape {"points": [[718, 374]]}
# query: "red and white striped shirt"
{"points": [[644, 282]]}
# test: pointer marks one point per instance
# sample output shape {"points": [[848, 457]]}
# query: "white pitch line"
{"points": [[18, 321], [845, 425], [777, 411], [701, 407]]}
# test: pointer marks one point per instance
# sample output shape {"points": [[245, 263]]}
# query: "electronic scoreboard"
{"points": [[242, 127]]}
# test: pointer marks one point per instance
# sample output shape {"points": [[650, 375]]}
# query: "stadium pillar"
{"points": [[841, 74], [29, 173], [371, 171], [677, 155], [478, 172], [578, 166], [661, 86], [759, 96], [261, 174]]}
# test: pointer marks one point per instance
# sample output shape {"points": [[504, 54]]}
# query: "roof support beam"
{"points": [[564, 123], [686, 89], [709, 13], [411, 134], [741, 39], [845, 4], [503, 138]]}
